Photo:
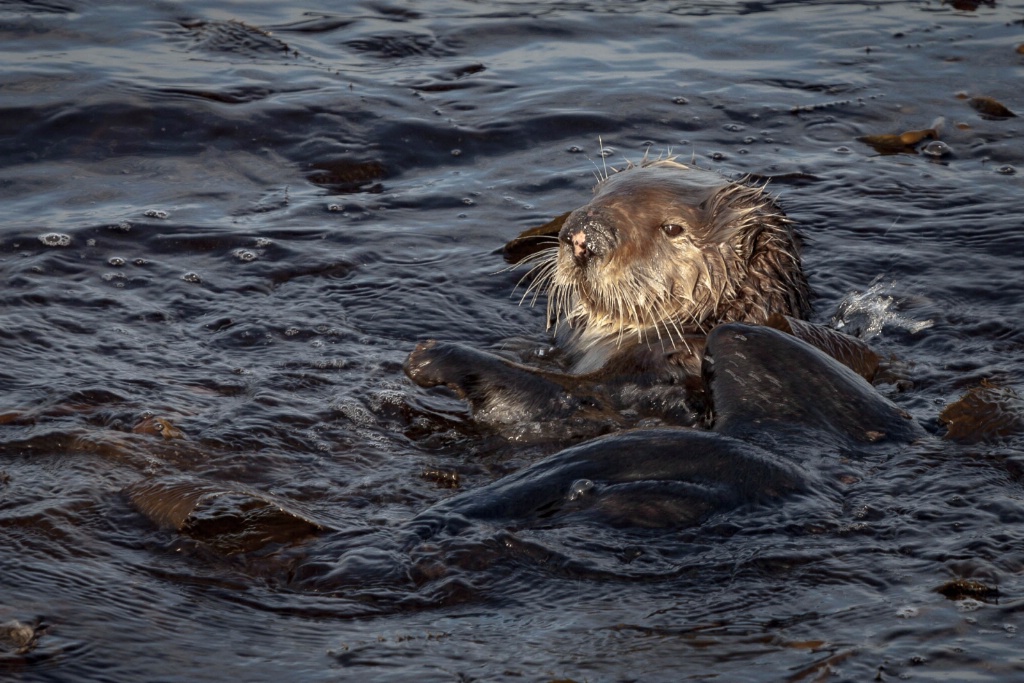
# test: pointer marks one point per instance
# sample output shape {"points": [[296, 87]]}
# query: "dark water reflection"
{"points": [[225, 225]]}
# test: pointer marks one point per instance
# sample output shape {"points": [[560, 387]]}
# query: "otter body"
{"points": [[635, 280]]}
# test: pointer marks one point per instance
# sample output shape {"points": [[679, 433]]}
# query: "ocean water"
{"points": [[226, 224]]}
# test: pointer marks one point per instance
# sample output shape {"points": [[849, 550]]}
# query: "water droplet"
{"points": [[579, 488], [116, 261], [156, 213], [192, 277]]}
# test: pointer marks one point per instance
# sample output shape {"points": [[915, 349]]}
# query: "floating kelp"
{"points": [[903, 143], [984, 413], [230, 520], [962, 589], [990, 108]]}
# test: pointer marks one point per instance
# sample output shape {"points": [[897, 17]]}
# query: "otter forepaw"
{"points": [[426, 365], [498, 391]]}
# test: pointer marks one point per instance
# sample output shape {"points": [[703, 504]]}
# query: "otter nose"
{"points": [[582, 249], [588, 234]]}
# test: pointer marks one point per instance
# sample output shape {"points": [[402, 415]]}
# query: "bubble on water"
{"points": [[90, 242], [456, 152], [907, 612], [335, 208], [1010, 629], [55, 239], [357, 414], [680, 100], [123, 226], [969, 605], [386, 397], [291, 332], [192, 277], [140, 262], [936, 148], [1006, 170], [156, 213], [116, 261], [331, 364], [245, 255], [467, 201], [580, 488], [575, 149], [733, 127], [263, 242]]}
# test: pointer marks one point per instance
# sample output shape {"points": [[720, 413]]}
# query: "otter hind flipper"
{"points": [[766, 384]]}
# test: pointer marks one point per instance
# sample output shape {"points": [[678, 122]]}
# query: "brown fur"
{"points": [[663, 253]]}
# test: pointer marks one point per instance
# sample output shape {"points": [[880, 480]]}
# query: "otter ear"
{"points": [[733, 215]]}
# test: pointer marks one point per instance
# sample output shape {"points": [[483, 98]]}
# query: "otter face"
{"points": [[634, 256], [665, 251]]}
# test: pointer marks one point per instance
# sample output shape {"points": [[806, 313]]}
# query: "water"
{"points": [[226, 224]]}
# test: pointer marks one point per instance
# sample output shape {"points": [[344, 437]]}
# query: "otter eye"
{"points": [[672, 229]]}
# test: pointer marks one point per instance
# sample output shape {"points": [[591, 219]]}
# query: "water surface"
{"points": [[226, 224]]}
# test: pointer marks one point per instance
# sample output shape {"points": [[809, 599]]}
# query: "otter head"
{"points": [[663, 253]]}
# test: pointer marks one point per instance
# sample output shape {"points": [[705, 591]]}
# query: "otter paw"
{"points": [[419, 365], [433, 363]]}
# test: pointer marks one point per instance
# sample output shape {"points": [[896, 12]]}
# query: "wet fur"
{"points": [[632, 302], [735, 259]]}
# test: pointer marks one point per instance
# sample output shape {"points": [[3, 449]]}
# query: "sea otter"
{"points": [[635, 280]]}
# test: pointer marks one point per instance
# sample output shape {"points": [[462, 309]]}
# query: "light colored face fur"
{"points": [[665, 251]]}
